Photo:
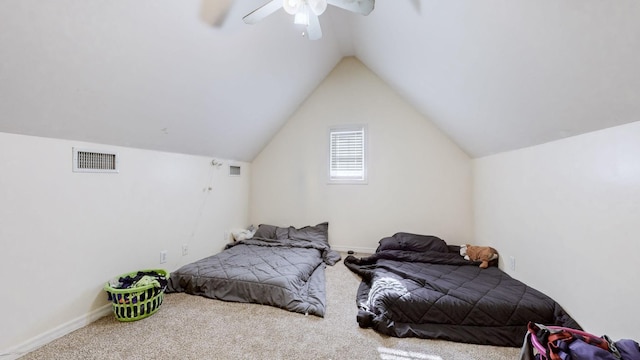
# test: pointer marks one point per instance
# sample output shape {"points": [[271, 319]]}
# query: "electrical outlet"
{"points": [[163, 256], [185, 249], [512, 263]]}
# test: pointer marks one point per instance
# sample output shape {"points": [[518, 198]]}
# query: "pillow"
{"points": [[266, 232], [282, 233], [271, 232], [413, 242], [319, 232], [242, 234]]}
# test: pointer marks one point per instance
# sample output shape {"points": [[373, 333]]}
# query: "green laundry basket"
{"points": [[137, 302]]}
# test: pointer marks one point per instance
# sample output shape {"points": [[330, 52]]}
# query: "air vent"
{"points": [[85, 160], [234, 170]]}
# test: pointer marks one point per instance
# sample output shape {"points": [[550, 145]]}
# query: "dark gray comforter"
{"points": [[286, 273], [416, 286]]}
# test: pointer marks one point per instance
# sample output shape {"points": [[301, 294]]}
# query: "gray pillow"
{"points": [[319, 232], [282, 233], [266, 232], [311, 233], [413, 242], [271, 232]]}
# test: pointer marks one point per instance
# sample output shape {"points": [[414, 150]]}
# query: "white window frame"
{"points": [[358, 176]]}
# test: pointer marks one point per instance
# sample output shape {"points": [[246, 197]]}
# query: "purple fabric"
{"points": [[629, 349], [581, 350]]}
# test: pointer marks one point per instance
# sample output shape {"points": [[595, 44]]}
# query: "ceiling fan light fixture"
{"points": [[292, 7], [302, 17], [306, 12], [318, 6]]}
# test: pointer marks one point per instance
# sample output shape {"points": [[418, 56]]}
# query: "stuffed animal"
{"points": [[479, 253]]}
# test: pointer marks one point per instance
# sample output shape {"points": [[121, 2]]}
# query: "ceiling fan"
{"points": [[306, 12]]}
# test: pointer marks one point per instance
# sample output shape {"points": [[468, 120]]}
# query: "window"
{"points": [[347, 155]]}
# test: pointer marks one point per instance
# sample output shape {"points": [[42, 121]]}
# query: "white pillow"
{"points": [[242, 234]]}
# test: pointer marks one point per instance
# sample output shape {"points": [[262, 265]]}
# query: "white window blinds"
{"points": [[347, 155]]}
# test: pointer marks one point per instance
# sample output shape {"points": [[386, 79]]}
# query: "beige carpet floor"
{"points": [[193, 327]]}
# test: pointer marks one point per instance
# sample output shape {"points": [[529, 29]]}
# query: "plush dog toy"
{"points": [[479, 253]]}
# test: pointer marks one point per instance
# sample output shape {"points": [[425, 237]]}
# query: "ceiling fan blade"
{"points": [[314, 32], [363, 7], [262, 12]]}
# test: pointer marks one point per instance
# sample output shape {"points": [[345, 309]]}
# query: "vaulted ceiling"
{"points": [[494, 75]]}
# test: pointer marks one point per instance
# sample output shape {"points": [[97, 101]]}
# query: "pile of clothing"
{"points": [[562, 343], [142, 278]]}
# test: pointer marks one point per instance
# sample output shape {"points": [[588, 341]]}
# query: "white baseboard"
{"points": [[357, 250], [59, 331]]}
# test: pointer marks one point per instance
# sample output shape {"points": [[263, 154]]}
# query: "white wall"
{"points": [[569, 212], [418, 180], [64, 234]]}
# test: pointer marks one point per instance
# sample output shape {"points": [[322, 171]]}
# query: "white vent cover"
{"points": [[86, 160], [234, 170]]}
